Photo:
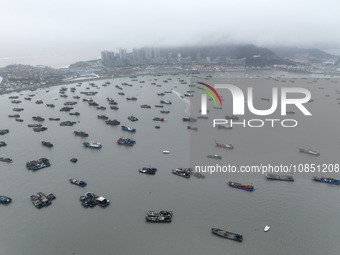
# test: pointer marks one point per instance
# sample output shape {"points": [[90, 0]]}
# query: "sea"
{"points": [[303, 215]]}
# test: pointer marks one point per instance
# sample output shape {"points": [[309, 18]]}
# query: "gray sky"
{"points": [[41, 25]]}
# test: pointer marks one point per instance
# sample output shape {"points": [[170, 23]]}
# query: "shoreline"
{"points": [[34, 88]]}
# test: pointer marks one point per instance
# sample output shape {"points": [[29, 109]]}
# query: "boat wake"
{"points": [[185, 100]]}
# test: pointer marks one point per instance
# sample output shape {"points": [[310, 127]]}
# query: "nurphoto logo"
{"points": [[239, 104]]}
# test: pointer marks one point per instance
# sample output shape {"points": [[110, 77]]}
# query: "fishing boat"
{"points": [[241, 186], [35, 125], [226, 146], [183, 172], [159, 219], [326, 180], [80, 133], [41, 200], [112, 122], [77, 182], [215, 156], [4, 131], [47, 144], [132, 118], [127, 141], [7, 160], [92, 145], [74, 160], [279, 177], [159, 213], [39, 129], [38, 164], [158, 119], [129, 129], [5, 200], [166, 102], [102, 117], [309, 151], [227, 235], [38, 118], [192, 128], [148, 170], [14, 116]]}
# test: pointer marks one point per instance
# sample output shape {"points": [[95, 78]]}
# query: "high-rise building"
{"points": [[136, 54], [156, 52], [148, 53], [122, 54]]}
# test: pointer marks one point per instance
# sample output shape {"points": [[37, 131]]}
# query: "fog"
{"points": [[40, 27]]}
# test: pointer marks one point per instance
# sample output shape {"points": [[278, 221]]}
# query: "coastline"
{"points": [[33, 88]]}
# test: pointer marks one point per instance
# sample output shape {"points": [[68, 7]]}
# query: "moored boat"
{"points": [[92, 144], [159, 219], [34, 125], [326, 180], [241, 186], [112, 122], [132, 118], [129, 129], [126, 141], [47, 144], [5, 200], [159, 213], [158, 119], [226, 146], [38, 164], [309, 151], [39, 129], [227, 235], [80, 133], [7, 160], [183, 172], [4, 131], [91, 200], [215, 156], [266, 228], [148, 170], [77, 182], [279, 177], [165, 102]]}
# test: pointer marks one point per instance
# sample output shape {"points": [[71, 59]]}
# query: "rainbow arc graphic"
{"points": [[209, 93]]}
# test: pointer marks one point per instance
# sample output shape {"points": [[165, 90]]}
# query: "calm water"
{"points": [[299, 213]]}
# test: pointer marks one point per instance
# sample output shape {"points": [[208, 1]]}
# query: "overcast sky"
{"points": [[28, 25]]}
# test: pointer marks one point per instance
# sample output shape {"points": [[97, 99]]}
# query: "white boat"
{"points": [[92, 145], [266, 228], [166, 152]]}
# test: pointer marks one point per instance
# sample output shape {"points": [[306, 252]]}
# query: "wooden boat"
{"points": [[227, 235]]}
